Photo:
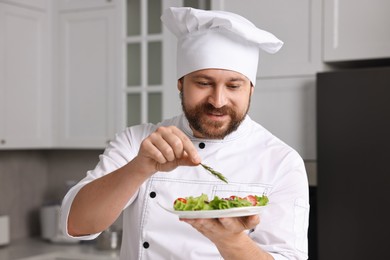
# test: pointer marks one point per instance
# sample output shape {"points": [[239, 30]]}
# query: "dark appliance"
{"points": [[353, 140]]}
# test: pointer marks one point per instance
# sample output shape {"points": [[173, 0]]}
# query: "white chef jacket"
{"points": [[253, 160]]}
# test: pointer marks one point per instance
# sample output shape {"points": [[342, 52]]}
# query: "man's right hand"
{"points": [[167, 148]]}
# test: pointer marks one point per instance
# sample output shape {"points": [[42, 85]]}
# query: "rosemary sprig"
{"points": [[215, 173]]}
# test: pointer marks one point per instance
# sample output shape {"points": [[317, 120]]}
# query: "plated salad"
{"points": [[202, 202]]}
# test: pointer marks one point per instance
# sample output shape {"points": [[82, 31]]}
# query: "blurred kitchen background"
{"points": [[73, 73]]}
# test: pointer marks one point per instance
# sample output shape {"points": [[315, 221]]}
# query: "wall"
{"points": [[23, 181], [66, 165], [29, 179]]}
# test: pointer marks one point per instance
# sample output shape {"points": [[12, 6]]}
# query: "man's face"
{"points": [[215, 101]]}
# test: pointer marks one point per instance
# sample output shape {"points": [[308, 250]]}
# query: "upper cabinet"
{"points": [[25, 106], [85, 4], [86, 75], [296, 23], [58, 73], [356, 30]]}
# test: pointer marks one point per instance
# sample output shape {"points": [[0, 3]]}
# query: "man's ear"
{"points": [[180, 84], [252, 89]]}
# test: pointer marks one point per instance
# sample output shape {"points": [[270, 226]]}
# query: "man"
{"points": [[148, 165]]}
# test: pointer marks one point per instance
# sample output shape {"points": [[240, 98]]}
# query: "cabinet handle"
{"points": [[2, 141]]}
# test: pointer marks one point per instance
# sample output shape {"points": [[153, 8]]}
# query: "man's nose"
{"points": [[218, 97]]}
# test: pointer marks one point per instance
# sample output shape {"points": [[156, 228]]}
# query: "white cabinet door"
{"points": [[85, 4], [287, 108], [356, 30], [296, 23], [37, 4], [24, 90], [87, 83]]}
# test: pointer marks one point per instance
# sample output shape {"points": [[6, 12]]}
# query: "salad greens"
{"points": [[202, 202]]}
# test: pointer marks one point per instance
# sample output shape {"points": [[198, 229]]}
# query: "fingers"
{"points": [[201, 223], [168, 144], [243, 223], [252, 221], [148, 149], [207, 227]]}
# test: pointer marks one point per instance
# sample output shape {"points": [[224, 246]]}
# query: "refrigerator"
{"points": [[353, 160]]}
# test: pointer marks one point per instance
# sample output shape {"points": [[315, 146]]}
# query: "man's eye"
{"points": [[234, 86], [203, 83]]}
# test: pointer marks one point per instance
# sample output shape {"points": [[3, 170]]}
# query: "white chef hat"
{"points": [[217, 39]]}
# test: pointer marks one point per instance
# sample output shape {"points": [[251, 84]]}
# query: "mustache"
{"points": [[209, 108]]}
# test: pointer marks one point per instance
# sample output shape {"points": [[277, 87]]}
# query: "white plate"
{"points": [[220, 213]]}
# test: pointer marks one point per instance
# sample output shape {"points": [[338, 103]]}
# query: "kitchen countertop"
{"points": [[29, 247]]}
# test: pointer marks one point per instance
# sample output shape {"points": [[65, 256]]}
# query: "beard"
{"points": [[208, 128]]}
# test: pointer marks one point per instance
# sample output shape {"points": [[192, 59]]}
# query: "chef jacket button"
{"points": [[152, 194], [145, 245], [202, 145]]}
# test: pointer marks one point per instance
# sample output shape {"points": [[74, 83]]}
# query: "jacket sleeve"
{"points": [[119, 152]]}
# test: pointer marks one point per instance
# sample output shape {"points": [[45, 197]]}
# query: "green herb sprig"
{"points": [[215, 173]]}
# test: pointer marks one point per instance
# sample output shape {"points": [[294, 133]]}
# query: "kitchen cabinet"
{"points": [[356, 30], [68, 5], [58, 73], [87, 81], [25, 105]]}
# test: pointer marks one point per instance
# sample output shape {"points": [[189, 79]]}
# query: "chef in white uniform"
{"points": [[149, 166]]}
